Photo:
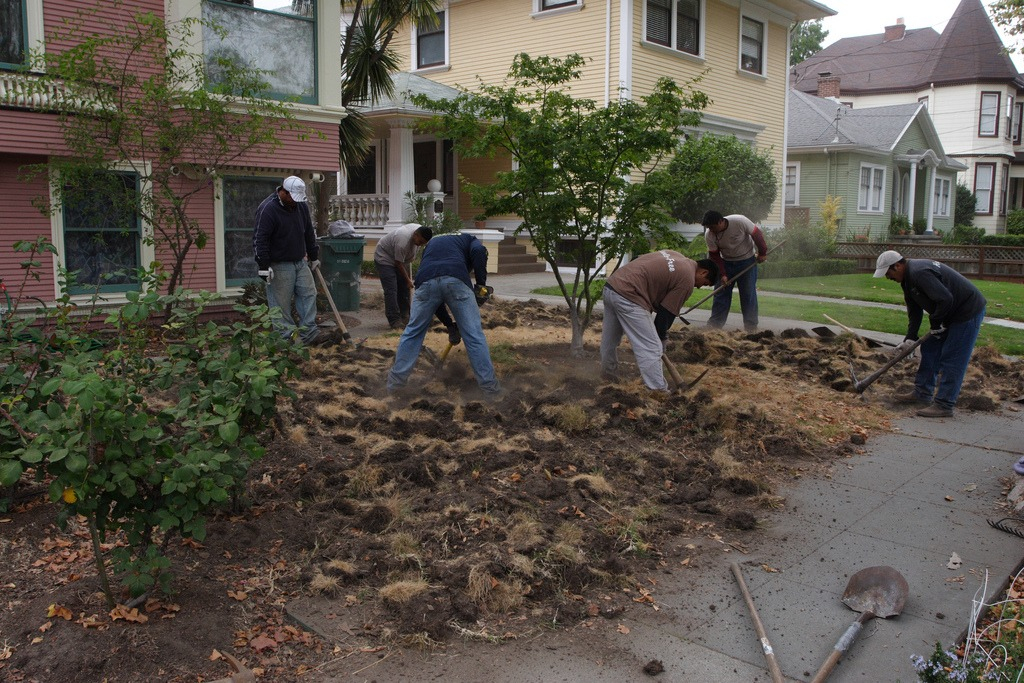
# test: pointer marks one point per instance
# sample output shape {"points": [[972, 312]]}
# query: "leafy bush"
{"points": [[920, 225], [1002, 240], [142, 431], [899, 225], [1015, 222], [419, 205], [803, 242], [966, 206], [963, 234], [783, 269]]}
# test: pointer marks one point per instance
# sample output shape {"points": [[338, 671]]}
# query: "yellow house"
{"points": [[741, 47]]}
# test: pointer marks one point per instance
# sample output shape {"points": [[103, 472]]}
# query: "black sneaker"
{"points": [[329, 338], [454, 336]]}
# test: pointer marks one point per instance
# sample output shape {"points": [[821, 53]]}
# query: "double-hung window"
{"points": [[432, 42], [13, 32], [988, 116], [872, 189], [675, 23], [1018, 115], [940, 204], [102, 232], [984, 182], [1009, 117], [752, 34], [792, 184], [241, 196], [543, 5]]}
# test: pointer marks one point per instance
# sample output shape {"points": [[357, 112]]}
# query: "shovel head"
{"points": [[882, 591]]}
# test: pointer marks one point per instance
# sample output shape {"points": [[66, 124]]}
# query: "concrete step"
{"points": [[516, 268]]}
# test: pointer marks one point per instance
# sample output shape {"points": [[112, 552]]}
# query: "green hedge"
{"points": [[1003, 240], [782, 269]]}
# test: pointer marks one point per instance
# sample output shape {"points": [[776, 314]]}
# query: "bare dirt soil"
{"points": [[436, 514]]}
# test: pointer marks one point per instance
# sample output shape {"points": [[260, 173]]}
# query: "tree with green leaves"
{"points": [[368, 61], [805, 39], [721, 173], [586, 181], [147, 127], [1009, 15]]}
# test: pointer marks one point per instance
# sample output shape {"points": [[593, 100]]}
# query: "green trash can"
{"points": [[342, 261]]}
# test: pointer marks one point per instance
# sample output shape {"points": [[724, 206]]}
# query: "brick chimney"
{"points": [[828, 85], [896, 31]]}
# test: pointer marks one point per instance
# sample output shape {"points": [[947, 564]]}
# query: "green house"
{"points": [[880, 162]]}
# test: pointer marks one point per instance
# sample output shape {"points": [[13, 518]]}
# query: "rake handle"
{"points": [[762, 635], [860, 385], [337, 316]]}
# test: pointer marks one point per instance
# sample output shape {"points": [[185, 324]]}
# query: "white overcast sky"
{"points": [[865, 17]]}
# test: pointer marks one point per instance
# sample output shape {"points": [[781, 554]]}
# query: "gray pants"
{"points": [[622, 315]]}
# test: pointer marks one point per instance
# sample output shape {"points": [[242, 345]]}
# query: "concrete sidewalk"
{"points": [[915, 498]]}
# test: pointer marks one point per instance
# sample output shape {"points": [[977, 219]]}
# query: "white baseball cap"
{"points": [[885, 260], [295, 187]]}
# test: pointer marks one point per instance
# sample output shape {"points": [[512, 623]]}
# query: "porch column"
{"points": [[931, 200], [401, 178], [913, 191]]}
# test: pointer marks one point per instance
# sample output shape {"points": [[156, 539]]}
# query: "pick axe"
{"points": [[681, 385], [859, 385]]}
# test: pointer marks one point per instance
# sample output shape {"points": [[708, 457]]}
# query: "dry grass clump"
{"points": [[364, 479], [491, 593], [571, 418], [448, 467], [401, 592], [343, 568], [322, 584], [404, 544], [334, 412], [595, 483], [297, 435], [728, 464], [524, 533]]}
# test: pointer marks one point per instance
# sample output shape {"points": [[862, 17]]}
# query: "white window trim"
{"points": [[414, 52], [700, 56], [147, 248], [990, 209], [866, 203], [539, 13], [749, 12], [796, 185], [938, 209], [995, 116]]}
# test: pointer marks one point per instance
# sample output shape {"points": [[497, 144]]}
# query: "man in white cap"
{"points": [[286, 253], [955, 311]]}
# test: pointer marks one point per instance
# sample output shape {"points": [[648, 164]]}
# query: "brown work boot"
{"points": [[935, 410], [911, 397]]}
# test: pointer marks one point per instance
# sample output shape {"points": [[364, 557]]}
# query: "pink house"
{"points": [[297, 46]]}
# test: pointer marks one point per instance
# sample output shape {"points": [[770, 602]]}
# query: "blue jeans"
{"points": [[396, 294], [293, 283], [748, 296], [462, 303], [944, 361]]}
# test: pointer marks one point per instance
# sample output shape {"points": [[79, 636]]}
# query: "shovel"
{"points": [[872, 343], [874, 592], [337, 316]]}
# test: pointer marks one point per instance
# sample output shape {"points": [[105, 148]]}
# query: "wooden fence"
{"points": [[979, 262]]}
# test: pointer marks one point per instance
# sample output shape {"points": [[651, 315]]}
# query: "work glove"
{"points": [[314, 264], [483, 294], [267, 275], [903, 346], [454, 336], [939, 332]]}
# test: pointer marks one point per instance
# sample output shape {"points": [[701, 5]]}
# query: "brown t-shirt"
{"points": [[662, 278]]}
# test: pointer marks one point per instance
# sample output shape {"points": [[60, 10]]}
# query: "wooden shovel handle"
{"points": [[766, 647], [841, 646], [337, 316], [676, 377]]}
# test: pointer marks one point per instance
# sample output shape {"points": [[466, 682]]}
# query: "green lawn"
{"points": [[1005, 299], [866, 288]]}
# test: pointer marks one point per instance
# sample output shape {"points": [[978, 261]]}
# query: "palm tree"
{"points": [[367, 62]]}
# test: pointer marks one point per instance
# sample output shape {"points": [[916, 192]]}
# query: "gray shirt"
{"points": [[396, 247]]}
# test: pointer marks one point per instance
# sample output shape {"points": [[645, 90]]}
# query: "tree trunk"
{"points": [[576, 345]]}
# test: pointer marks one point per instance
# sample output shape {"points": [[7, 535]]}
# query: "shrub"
{"points": [[1002, 240], [920, 225], [899, 225], [1015, 222], [963, 234], [966, 206]]}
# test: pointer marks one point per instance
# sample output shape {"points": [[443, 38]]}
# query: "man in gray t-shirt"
{"points": [[392, 257]]}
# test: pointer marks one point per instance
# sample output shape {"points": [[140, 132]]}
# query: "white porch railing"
{"points": [[361, 210], [19, 90]]}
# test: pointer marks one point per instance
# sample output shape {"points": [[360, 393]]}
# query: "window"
{"points": [[675, 24], [240, 199], [289, 69], [1004, 191], [364, 178], [1009, 117], [792, 184], [1018, 115], [13, 32], [984, 180], [102, 232], [988, 117], [752, 46], [940, 205], [543, 5], [432, 43], [872, 189]]}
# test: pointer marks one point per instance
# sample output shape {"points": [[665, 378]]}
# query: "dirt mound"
{"points": [[437, 513]]}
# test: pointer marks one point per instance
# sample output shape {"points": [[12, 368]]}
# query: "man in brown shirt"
{"points": [[659, 283]]}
